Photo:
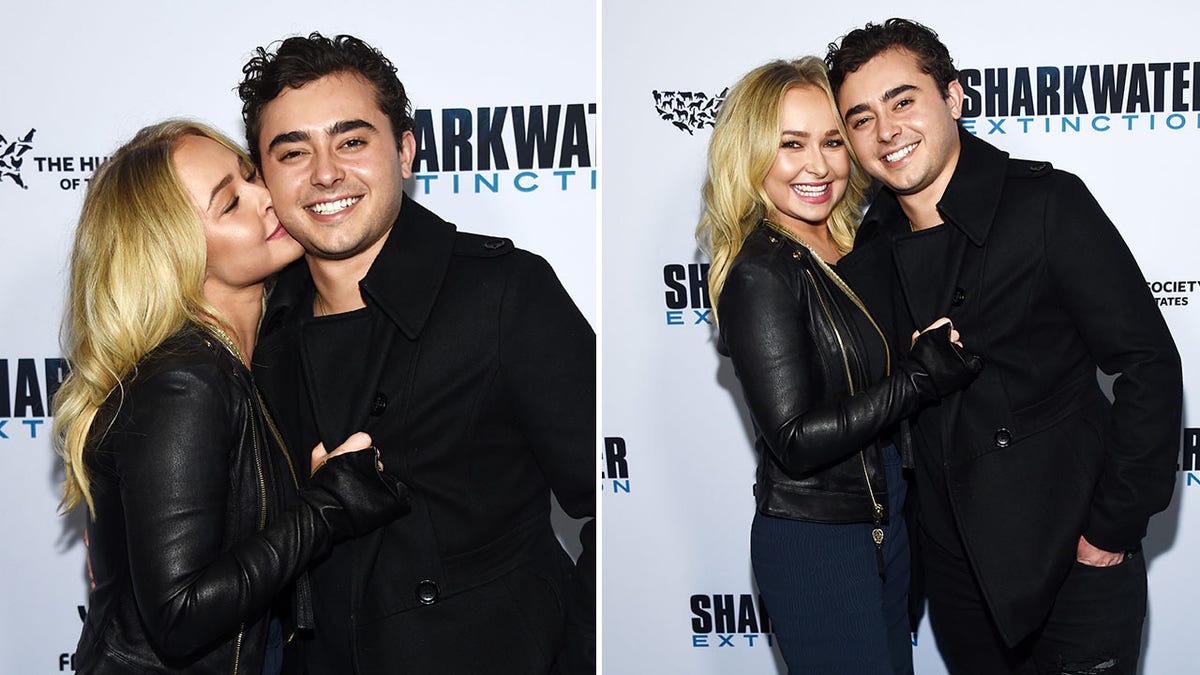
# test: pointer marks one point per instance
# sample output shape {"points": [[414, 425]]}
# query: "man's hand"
{"points": [[954, 336], [360, 440], [1093, 557]]}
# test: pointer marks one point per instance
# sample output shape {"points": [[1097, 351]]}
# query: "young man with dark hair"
{"points": [[461, 355], [1034, 491]]}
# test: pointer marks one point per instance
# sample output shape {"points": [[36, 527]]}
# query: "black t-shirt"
{"points": [[337, 353], [922, 260]]}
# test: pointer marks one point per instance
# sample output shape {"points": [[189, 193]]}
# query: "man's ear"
{"points": [[954, 98], [408, 151]]}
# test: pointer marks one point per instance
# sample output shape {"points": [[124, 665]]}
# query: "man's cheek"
{"points": [[861, 147]]}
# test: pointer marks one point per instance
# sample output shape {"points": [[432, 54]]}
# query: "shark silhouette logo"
{"points": [[689, 110], [10, 158]]}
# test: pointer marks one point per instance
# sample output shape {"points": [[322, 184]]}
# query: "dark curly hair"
{"points": [[863, 44], [297, 61]]}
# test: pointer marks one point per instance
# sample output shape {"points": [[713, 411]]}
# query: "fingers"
{"points": [[317, 459], [1092, 556], [360, 440], [954, 335]]}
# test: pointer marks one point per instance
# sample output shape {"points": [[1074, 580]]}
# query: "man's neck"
{"points": [[337, 281], [921, 209]]}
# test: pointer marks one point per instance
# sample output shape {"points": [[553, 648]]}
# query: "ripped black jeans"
{"points": [[1095, 627]]}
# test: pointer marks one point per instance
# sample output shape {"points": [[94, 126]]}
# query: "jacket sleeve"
{"points": [[1107, 299], [191, 586], [548, 365], [764, 328]]}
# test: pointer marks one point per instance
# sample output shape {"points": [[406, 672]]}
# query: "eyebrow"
{"points": [[350, 125], [887, 96], [335, 129], [220, 186], [805, 134]]}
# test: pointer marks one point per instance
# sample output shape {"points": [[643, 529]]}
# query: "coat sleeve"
{"points": [[764, 328], [1107, 298], [191, 586], [548, 366]]}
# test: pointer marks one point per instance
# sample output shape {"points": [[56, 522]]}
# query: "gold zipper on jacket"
{"points": [[262, 484], [887, 352], [262, 523], [287, 457], [258, 469], [876, 508], [237, 648], [278, 438], [836, 333], [833, 276]]}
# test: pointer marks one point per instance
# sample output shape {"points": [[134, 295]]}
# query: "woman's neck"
{"points": [[815, 237], [242, 308]]}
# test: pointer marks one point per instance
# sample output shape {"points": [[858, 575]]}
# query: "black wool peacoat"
{"points": [[480, 395], [1043, 287]]}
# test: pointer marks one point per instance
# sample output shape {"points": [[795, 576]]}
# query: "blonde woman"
{"points": [[829, 546], [197, 530]]}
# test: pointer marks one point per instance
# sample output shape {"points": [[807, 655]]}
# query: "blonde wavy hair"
{"points": [[744, 143], [136, 277]]}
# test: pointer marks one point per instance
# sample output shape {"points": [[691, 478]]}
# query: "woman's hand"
{"points": [[954, 336], [944, 363], [353, 495], [357, 441]]}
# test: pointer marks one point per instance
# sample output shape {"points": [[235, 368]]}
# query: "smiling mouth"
{"points": [[899, 154], [330, 208], [810, 190]]}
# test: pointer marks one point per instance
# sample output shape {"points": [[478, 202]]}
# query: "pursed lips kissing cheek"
{"points": [[278, 233]]}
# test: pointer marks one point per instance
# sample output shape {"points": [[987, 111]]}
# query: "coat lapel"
{"points": [[969, 205], [403, 283]]}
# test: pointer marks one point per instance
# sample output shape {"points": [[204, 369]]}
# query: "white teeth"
{"points": [[811, 190], [899, 154], [326, 208]]}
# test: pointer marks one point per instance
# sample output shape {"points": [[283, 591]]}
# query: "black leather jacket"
{"points": [[192, 540], [786, 323]]}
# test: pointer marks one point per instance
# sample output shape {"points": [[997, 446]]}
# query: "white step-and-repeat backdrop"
{"points": [[79, 78], [1107, 90]]}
